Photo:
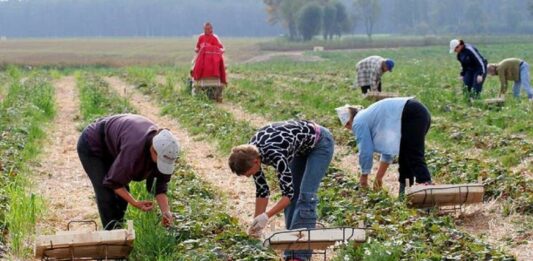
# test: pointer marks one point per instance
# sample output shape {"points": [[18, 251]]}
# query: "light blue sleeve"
{"points": [[386, 158], [365, 145]]}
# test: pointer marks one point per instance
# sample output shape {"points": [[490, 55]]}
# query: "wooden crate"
{"points": [[313, 238], [423, 196], [70, 245], [495, 102], [376, 96]]}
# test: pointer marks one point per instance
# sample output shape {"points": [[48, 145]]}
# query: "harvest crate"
{"points": [[377, 96], [72, 245], [424, 196]]}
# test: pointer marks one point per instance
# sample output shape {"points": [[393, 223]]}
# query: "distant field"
{"points": [[116, 51], [119, 52]]}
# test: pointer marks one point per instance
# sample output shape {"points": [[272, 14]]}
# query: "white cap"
{"points": [[167, 148], [453, 44], [344, 114]]}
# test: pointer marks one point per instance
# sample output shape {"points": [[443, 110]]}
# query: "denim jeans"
{"points": [[524, 81], [111, 206], [307, 173]]}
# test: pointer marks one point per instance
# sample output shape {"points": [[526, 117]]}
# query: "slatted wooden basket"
{"points": [[313, 238], [424, 196], [72, 245]]}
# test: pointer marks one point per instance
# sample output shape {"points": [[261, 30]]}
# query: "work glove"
{"points": [[479, 78], [258, 225], [461, 78]]}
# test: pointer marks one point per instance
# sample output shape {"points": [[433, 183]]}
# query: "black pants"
{"points": [[470, 81], [366, 88], [111, 206], [415, 125]]}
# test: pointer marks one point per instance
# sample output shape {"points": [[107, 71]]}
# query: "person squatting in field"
{"points": [[369, 72], [512, 69], [474, 66], [301, 152], [393, 126], [118, 149]]}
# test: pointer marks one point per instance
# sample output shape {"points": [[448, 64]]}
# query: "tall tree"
{"points": [[531, 7], [369, 11], [284, 12], [343, 23], [309, 20], [329, 20]]}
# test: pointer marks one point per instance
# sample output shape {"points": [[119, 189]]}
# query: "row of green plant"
{"points": [[25, 110], [466, 140], [202, 230], [395, 230]]}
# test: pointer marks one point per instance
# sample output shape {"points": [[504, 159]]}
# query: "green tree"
{"points": [[309, 20], [329, 20], [343, 22], [284, 12], [368, 11]]}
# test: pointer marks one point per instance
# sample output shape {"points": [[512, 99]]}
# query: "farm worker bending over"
{"points": [[370, 70], [208, 37], [512, 69], [118, 149], [474, 66], [393, 126], [301, 152]]}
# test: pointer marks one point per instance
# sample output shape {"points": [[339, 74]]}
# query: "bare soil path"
{"points": [[61, 180], [202, 156]]}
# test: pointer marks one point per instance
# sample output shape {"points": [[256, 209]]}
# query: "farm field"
{"points": [[213, 207]]}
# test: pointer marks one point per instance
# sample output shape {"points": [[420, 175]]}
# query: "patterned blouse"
{"points": [[278, 144]]}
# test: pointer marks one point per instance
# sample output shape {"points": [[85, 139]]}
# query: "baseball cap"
{"points": [[167, 148], [453, 44], [390, 64]]}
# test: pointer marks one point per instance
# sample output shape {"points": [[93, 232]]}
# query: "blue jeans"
{"points": [[307, 173], [524, 81]]}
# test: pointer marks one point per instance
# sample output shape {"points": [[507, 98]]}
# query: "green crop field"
{"points": [[467, 141]]}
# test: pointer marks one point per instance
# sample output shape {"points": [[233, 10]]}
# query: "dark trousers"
{"points": [[366, 88], [415, 125], [110, 206], [470, 81]]}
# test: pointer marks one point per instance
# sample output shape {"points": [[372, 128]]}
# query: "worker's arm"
{"points": [[162, 201], [280, 206], [142, 205], [382, 169]]}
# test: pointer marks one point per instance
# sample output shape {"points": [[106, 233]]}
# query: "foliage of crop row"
{"points": [[396, 231], [466, 140], [202, 230], [24, 112]]}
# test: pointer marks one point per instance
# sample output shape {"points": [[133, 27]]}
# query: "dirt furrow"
{"points": [[201, 156], [60, 177]]}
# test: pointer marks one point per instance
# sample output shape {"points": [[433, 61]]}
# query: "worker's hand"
{"points": [[461, 78], [363, 181], [144, 205], [378, 184], [258, 225], [168, 219], [479, 78]]}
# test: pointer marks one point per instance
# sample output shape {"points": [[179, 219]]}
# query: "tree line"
{"points": [[297, 19], [305, 19]]}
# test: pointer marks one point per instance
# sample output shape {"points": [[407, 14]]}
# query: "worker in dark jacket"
{"points": [[474, 66], [118, 149]]}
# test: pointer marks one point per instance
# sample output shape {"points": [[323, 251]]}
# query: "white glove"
{"points": [[258, 225], [479, 79], [461, 78]]}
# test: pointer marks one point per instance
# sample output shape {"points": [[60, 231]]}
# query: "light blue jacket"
{"points": [[378, 128]]}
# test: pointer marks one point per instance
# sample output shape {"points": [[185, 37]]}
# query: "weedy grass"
{"points": [[202, 231], [24, 113]]}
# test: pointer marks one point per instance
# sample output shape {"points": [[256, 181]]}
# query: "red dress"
{"points": [[211, 39], [209, 63]]}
